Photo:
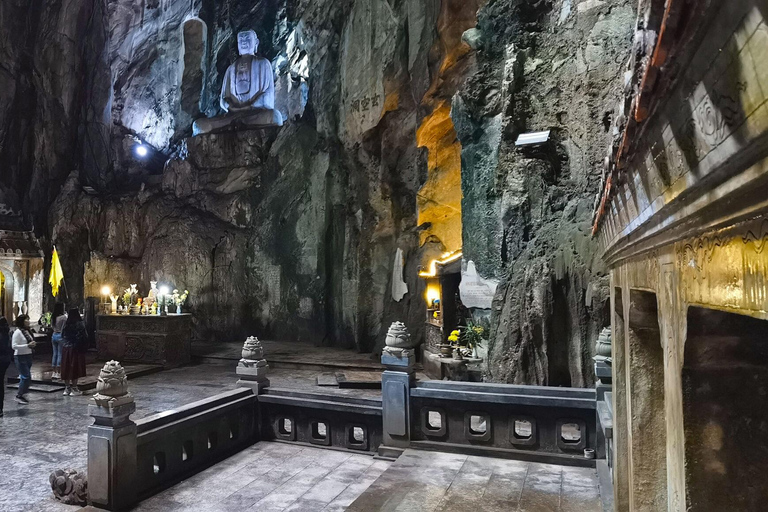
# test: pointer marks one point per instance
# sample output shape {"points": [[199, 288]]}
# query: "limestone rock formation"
{"points": [[293, 232], [526, 212]]}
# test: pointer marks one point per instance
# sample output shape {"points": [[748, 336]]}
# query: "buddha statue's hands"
{"points": [[233, 105]]}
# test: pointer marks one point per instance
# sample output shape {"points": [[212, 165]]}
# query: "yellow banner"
{"points": [[57, 274]]}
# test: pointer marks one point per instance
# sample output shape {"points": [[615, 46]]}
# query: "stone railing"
{"points": [[323, 420], [130, 461], [173, 445], [545, 424], [554, 425]]}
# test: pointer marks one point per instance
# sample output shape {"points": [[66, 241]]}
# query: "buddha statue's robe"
{"points": [[247, 97], [248, 84]]}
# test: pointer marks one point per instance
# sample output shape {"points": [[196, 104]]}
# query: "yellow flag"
{"points": [[57, 274]]}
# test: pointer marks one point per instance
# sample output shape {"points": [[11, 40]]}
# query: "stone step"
{"points": [[89, 381], [41, 387]]}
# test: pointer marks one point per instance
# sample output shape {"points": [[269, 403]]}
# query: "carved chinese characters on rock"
{"points": [[365, 104]]}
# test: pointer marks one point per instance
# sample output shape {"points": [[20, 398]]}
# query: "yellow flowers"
{"points": [[454, 336]]}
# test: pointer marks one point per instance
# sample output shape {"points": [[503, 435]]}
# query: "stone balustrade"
{"points": [[129, 461], [545, 424]]}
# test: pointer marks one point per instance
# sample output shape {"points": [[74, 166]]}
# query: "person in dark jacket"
{"points": [[6, 354], [75, 340]]}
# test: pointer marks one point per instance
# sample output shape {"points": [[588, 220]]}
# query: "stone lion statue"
{"points": [[69, 486]]}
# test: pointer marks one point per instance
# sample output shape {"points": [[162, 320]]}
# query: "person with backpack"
{"points": [[23, 343], [58, 319], [6, 354], [75, 344]]}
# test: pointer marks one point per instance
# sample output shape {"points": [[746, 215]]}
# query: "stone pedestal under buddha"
{"points": [[247, 94]]}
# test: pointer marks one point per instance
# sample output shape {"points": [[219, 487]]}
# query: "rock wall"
{"points": [[55, 82], [293, 233], [288, 233], [548, 65]]}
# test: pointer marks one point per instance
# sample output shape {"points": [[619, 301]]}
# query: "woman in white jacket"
{"points": [[23, 343]]}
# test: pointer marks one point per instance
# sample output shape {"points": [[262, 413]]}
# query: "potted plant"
{"points": [[454, 340], [473, 337], [45, 323], [446, 349]]}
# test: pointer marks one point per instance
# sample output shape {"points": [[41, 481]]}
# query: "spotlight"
{"points": [[106, 290], [141, 150], [164, 290]]}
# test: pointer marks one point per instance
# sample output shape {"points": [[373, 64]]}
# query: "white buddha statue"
{"points": [[248, 92]]}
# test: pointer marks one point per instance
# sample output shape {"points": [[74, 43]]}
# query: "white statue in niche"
{"points": [[248, 92]]}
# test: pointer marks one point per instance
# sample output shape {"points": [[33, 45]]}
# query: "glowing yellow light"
{"points": [[106, 290], [433, 294], [446, 258]]}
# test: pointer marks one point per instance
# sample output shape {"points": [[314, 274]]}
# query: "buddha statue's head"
{"points": [[247, 42]]}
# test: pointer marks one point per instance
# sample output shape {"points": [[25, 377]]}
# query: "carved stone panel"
{"points": [[145, 339]]}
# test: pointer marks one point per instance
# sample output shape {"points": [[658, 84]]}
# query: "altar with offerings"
{"points": [[148, 339], [132, 328]]}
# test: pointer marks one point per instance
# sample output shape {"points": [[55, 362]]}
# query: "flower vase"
{"points": [[178, 309]]}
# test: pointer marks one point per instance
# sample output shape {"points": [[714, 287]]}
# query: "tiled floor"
{"points": [[51, 432], [292, 353], [422, 481], [274, 477]]}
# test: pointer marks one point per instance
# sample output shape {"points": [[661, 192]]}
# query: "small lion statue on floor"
{"points": [[69, 486]]}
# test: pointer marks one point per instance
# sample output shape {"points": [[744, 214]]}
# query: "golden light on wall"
{"points": [[432, 293], [439, 200], [446, 258]]}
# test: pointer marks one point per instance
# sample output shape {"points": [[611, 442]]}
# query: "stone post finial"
{"points": [[399, 353], [252, 368], [112, 383], [252, 349], [602, 358], [112, 399], [398, 336], [603, 343]]}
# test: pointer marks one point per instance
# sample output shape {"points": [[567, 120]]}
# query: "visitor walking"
{"points": [[23, 343], [6, 354], [75, 339], [58, 320]]}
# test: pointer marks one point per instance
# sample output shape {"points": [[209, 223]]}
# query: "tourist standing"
{"points": [[23, 343], [6, 354], [75, 340], [58, 320]]}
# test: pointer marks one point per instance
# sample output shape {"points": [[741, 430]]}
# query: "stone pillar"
{"points": [[399, 357], [112, 442], [252, 368], [603, 372]]}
